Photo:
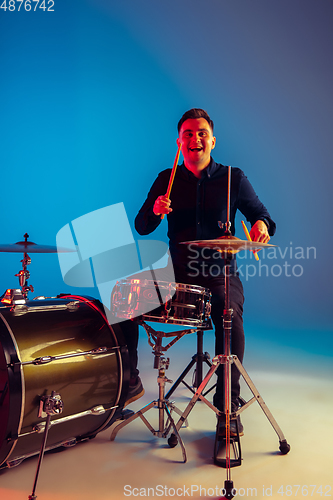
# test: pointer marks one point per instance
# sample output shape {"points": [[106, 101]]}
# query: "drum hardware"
{"points": [[163, 405], [97, 410], [170, 303], [47, 359], [155, 339], [225, 225], [70, 443], [51, 405], [25, 247], [19, 309], [197, 359], [24, 275], [13, 296]]}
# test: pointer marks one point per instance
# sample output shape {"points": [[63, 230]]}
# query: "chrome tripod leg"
{"points": [[176, 433], [284, 446], [117, 426], [40, 459], [51, 405], [163, 405]]}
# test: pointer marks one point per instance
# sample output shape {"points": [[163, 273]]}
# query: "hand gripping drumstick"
{"points": [[247, 234], [172, 176]]}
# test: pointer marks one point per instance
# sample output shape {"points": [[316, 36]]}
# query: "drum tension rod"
{"points": [[47, 359]]}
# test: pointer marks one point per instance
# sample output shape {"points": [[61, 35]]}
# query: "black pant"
{"points": [[130, 330]]}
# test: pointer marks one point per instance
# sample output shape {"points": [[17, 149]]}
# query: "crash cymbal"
{"points": [[29, 246], [229, 244]]}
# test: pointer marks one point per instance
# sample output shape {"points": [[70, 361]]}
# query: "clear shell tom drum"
{"points": [[162, 301]]}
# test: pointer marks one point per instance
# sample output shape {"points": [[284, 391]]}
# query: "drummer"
{"points": [[198, 201]]}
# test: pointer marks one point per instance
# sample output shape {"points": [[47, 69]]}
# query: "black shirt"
{"points": [[198, 206]]}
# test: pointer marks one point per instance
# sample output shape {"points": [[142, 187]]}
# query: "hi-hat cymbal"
{"points": [[229, 244], [30, 247]]}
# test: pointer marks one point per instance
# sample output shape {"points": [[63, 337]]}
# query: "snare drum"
{"points": [[64, 345], [163, 302]]}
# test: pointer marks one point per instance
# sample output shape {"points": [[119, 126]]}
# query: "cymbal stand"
{"points": [[24, 274], [163, 405], [226, 440], [227, 359], [227, 326]]}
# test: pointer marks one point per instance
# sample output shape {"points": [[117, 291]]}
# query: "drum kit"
{"points": [[64, 372]]}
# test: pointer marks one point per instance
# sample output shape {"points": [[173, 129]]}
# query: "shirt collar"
{"points": [[208, 172], [211, 169]]}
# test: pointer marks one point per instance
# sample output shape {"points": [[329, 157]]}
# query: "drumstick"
{"points": [[247, 234], [228, 199], [172, 176]]}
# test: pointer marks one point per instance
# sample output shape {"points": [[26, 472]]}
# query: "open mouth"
{"points": [[198, 148]]}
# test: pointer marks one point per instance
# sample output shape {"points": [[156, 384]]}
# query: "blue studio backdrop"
{"points": [[91, 93]]}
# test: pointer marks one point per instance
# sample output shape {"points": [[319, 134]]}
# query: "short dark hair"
{"points": [[195, 113]]}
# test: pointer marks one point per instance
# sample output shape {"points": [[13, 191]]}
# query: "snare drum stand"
{"points": [[162, 403], [198, 359]]}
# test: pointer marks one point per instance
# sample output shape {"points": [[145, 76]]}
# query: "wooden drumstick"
{"points": [[228, 198], [247, 234], [172, 176]]}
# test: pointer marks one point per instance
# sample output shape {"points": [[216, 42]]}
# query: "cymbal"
{"points": [[229, 244], [30, 247]]}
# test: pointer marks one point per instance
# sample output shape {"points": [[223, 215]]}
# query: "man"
{"points": [[197, 203]]}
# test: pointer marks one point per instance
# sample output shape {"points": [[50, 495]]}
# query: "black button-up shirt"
{"points": [[198, 206]]}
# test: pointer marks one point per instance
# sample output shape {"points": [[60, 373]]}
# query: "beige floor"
{"points": [[136, 464]]}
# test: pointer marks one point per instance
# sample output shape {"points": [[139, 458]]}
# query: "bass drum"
{"points": [[65, 345]]}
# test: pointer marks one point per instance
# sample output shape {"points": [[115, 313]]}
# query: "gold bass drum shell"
{"points": [[65, 345]]}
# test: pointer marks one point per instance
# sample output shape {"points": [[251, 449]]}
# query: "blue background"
{"points": [[90, 98]]}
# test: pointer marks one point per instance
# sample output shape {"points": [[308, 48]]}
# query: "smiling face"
{"points": [[197, 141]]}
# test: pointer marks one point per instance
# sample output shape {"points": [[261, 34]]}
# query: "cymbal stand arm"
{"points": [[24, 275]]}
